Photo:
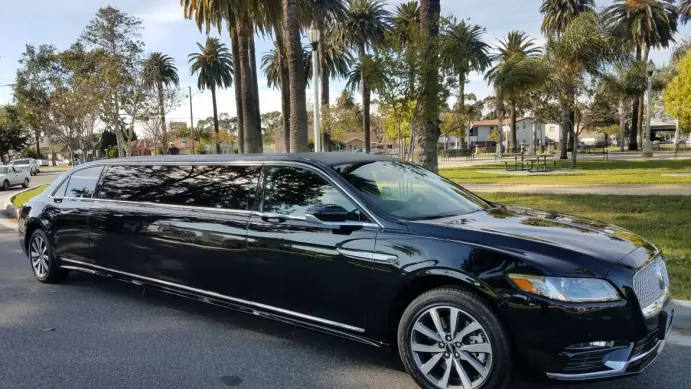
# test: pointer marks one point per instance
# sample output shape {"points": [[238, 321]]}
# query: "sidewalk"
{"points": [[640, 190]]}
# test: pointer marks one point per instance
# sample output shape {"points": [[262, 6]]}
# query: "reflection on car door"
{"points": [[180, 224], [69, 207], [300, 266], [16, 176]]}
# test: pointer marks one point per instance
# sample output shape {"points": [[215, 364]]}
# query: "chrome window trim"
{"points": [[304, 219], [176, 206], [229, 163], [266, 307]]}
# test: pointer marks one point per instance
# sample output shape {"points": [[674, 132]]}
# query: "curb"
{"points": [[9, 208], [681, 319]]}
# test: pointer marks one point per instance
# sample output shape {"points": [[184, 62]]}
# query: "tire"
{"points": [[25, 184], [445, 355], [42, 262], [5, 185]]}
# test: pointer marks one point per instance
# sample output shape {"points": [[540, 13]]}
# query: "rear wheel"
{"points": [[42, 260], [449, 338], [25, 184], [5, 185]]}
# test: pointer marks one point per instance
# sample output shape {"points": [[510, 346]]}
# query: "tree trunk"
{"points": [[640, 113], [500, 119], [575, 144], [216, 119], [285, 100], [37, 133], [430, 133], [513, 124], [296, 76], [623, 123], [162, 113], [324, 85], [238, 89], [565, 124], [366, 99], [462, 108], [255, 92], [250, 124], [635, 111]]}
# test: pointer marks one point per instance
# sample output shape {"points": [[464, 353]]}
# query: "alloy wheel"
{"points": [[38, 252], [451, 348]]}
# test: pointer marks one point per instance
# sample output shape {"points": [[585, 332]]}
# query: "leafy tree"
{"points": [[676, 96], [159, 73], [214, 68], [626, 81], [365, 24], [115, 34], [12, 136]]}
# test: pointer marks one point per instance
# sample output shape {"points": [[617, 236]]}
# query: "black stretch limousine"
{"points": [[370, 248]]}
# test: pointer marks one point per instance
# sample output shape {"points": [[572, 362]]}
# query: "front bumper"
{"points": [[620, 359]]}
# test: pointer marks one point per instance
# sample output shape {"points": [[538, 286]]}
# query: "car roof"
{"points": [[331, 159]]}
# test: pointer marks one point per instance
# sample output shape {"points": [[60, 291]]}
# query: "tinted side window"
{"points": [[83, 182], [291, 190], [228, 187]]}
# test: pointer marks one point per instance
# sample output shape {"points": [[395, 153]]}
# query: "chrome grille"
{"points": [[651, 282]]}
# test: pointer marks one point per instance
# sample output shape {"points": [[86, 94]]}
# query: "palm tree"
{"points": [[364, 25], [627, 81], [213, 65], [684, 11], [517, 47], [463, 51], [406, 19], [647, 24], [558, 13], [160, 72], [513, 77]]}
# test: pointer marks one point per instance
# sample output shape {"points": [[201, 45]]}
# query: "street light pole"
{"points": [[314, 35], [648, 152]]}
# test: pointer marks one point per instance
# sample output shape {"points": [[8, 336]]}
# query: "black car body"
{"points": [[308, 239]]}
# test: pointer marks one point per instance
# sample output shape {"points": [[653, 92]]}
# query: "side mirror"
{"points": [[328, 213]]}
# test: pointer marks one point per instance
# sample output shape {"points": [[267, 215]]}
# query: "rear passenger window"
{"points": [[227, 187], [83, 182]]}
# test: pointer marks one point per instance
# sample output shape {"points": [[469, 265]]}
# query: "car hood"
{"points": [[529, 227]]}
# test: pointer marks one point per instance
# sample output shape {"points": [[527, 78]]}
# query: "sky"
{"points": [[61, 22]]}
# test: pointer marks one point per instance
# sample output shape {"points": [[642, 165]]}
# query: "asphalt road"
{"points": [[90, 332]]}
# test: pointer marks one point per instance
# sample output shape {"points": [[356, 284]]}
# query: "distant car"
{"points": [[28, 164], [42, 162], [12, 175]]}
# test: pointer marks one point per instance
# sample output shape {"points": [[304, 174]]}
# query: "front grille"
{"points": [[651, 282], [587, 362]]}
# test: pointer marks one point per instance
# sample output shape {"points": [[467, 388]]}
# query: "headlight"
{"points": [[577, 290]]}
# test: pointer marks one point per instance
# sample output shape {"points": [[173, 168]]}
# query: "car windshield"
{"points": [[20, 162], [4, 169], [408, 191]]}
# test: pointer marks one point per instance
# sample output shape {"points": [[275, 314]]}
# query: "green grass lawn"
{"points": [[22, 198], [587, 172], [663, 220]]}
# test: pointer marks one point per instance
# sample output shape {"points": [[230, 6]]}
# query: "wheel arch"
{"points": [[428, 279], [31, 226]]}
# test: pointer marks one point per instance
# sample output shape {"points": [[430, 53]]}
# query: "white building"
{"points": [[480, 130]]}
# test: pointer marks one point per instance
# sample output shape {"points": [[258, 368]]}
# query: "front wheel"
{"points": [[5, 185], [449, 338], [25, 184]]}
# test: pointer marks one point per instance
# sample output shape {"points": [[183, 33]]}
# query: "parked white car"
{"points": [[28, 164], [11, 175]]}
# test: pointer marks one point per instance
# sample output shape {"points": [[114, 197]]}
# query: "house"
{"points": [[479, 133], [142, 147], [352, 140]]}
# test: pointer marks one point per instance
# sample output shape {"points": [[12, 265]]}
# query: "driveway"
{"points": [[92, 332]]}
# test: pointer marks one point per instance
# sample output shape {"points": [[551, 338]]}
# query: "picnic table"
{"points": [[530, 164], [592, 149]]}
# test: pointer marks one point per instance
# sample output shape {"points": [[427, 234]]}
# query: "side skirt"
{"points": [[249, 307]]}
